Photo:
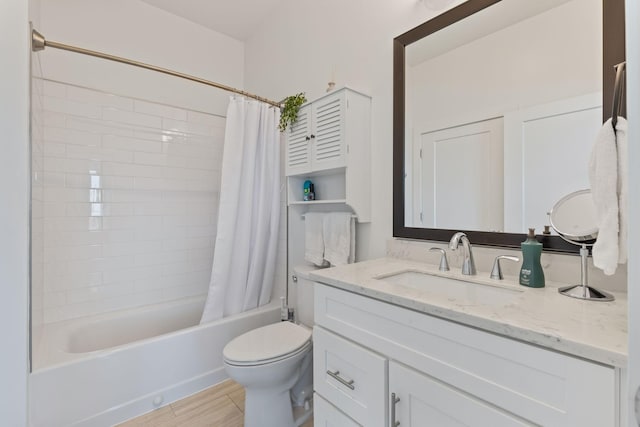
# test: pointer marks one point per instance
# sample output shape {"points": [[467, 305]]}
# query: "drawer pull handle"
{"points": [[336, 375], [394, 399]]}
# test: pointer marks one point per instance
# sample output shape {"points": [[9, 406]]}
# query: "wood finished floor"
{"points": [[219, 406]]}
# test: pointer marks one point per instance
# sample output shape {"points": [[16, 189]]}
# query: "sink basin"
{"points": [[453, 288]]}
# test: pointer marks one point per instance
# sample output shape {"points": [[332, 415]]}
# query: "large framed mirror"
{"points": [[496, 105]]}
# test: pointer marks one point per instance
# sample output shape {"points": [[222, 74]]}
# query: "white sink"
{"points": [[453, 288]]}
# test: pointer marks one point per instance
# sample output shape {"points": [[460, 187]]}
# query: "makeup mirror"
{"points": [[573, 217]]}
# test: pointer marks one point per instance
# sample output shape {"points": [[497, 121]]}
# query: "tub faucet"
{"points": [[468, 266]]}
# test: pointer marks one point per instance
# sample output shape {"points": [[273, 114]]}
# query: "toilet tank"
{"points": [[303, 294]]}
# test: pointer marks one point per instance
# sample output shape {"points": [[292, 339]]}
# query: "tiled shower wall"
{"points": [[129, 201]]}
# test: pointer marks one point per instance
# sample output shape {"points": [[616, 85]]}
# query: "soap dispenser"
{"points": [[531, 273]]}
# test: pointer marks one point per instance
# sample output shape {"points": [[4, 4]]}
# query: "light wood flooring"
{"points": [[219, 406]]}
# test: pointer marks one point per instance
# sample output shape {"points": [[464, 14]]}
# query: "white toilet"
{"points": [[274, 364]]}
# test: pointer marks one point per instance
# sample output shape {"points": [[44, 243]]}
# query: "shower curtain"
{"points": [[249, 214]]}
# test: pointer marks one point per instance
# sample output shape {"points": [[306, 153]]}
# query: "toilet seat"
{"points": [[267, 344]]}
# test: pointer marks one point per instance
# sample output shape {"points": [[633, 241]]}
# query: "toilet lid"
{"points": [[268, 342]]}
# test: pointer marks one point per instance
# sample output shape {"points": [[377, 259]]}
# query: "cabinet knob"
{"points": [[306, 138], [313, 136]]}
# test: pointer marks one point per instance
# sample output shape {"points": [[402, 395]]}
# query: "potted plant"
{"points": [[290, 107]]}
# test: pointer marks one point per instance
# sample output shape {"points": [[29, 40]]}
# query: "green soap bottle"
{"points": [[531, 273]]}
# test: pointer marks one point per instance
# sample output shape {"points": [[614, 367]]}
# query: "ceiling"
{"points": [[235, 18]]}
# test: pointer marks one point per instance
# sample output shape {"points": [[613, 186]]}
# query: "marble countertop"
{"points": [[592, 330]]}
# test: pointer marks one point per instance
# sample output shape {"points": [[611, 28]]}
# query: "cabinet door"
{"points": [[424, 401], [328, 145], [327, 415], [299, 143]]}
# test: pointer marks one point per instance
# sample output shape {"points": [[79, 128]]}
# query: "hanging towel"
{"points": [[337, 237], [352, 249], [313, 239], [623, 187], [609, 182]]}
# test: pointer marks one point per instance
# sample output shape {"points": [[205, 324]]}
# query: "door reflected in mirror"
{"points": [[501, 109]]}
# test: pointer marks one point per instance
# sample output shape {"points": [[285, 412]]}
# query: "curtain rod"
{"points": [[38, 43]]}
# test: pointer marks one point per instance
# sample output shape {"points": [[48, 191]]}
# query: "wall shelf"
{"points": [[318, 202]]}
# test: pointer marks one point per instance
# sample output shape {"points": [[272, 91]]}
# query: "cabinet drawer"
{"points": [[541, 386], [327, 415], [350, 377]]}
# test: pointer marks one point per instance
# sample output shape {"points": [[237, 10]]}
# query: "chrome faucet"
{"points": [[468, 266]]}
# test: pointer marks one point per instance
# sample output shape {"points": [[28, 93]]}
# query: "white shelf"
{"points": [[318, 202]]}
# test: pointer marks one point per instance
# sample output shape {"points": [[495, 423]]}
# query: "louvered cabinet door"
{"points": [[299, 143], [328, 145]]}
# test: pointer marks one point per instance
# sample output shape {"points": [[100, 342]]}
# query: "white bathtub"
{"points": [[104, 370]]}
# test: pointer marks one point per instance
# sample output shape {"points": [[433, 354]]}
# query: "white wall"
{"points": [[14, 210], [303, 43], [633, 114], [136, 30], [37, 194]]}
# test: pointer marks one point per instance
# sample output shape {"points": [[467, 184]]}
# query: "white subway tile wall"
{"points": [[125, 201]]}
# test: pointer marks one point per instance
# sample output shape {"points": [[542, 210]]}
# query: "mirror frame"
{"points": [[613, 53]]}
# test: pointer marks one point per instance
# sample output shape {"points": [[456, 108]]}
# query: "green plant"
{"points": [[290, 108]]}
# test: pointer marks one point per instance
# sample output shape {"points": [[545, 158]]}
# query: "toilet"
{"points": [[274, 364]]}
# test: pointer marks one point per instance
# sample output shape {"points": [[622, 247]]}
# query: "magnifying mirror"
{"points": [[574, 218]]}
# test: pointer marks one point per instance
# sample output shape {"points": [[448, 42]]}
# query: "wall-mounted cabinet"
{"points": [[330, 145]]}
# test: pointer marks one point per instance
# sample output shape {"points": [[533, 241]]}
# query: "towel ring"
{"points": [[617, 93]]}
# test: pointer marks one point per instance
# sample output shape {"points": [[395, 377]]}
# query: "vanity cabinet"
{"points": [[330, 145], [448, 374]]}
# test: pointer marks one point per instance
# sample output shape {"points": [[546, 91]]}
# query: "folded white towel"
{"points": [[313, 239], [608, 178], [337, 237]]}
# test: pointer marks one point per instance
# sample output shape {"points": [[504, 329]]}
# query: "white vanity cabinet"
{"points": [[330, 145], [447, 374]]}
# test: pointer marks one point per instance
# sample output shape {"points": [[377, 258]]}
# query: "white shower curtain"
{"points": [[249, 214]]}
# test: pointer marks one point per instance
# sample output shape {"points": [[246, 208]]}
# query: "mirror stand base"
{"points": [[585, 292]]}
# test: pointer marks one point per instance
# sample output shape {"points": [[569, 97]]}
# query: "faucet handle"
{"points": [[444, 265], [496, 271]]}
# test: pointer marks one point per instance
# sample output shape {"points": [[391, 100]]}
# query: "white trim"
{"points": [[14, 211]]}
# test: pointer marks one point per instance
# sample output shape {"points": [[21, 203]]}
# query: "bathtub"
{"points": [[104, 370]]}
